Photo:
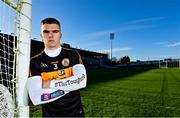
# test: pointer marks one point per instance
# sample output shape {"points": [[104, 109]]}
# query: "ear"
{"points": [[60, 35], [41, 37]]}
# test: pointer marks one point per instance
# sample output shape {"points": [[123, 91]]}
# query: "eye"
{"points": [[46, 31], [55, 31]]}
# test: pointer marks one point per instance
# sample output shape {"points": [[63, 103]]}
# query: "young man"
{"points": [[56, 75]]}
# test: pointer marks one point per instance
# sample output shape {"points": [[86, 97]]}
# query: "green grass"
{"points": [[130, 92]]}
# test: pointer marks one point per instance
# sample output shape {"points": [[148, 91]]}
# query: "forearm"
{"points": [[40, 95], [69, 84], [75, 82]]}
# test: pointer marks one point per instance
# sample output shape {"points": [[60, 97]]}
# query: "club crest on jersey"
{"points": [[65, 62]]}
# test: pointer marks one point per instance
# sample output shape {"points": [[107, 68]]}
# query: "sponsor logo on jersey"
{"points": [[65, 62], [61, 72], [57, 75], [48, 96], [70, 82], [43, 65]]}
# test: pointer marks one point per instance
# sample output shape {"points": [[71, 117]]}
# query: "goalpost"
{"points": [[171, 63], [15, 36]]}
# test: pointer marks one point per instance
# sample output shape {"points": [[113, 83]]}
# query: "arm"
{"points": [[75, 82], [39, 95]]}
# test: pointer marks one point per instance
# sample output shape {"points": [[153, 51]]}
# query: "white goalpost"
{"points": [[169, 63], [15, 37]]}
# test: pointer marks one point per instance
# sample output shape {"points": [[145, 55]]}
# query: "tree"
{"points": [[124, 60], [114, 60]]}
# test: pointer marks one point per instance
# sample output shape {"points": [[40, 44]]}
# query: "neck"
{"points": [[53, 52]]}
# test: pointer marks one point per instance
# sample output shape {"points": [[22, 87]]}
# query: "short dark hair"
{"points": [[50, 21]]}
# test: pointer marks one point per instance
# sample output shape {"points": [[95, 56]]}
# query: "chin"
{"points": [[53, 47]]}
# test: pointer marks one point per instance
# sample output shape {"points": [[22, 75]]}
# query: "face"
{"points": [[51, 35]]}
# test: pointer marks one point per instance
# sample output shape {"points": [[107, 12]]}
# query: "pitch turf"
{"points": [[130, 92]]}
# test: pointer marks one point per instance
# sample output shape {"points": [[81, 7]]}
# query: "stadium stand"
{"points": [[90, 59]]}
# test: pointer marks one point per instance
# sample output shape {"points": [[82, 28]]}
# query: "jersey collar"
{"points": [[53, 52]]}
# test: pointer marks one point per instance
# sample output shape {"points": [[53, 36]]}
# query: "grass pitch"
{"points": [[130, 92]]}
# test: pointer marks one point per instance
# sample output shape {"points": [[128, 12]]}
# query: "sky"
{"points": [[144, 29]]}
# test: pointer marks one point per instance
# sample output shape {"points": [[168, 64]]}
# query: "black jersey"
{"points": [[47, 67]]}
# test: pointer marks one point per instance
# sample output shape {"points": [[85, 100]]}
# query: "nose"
{"points": [[51, 34]]}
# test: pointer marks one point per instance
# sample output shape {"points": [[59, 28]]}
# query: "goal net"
{"points": [[15, 35]]}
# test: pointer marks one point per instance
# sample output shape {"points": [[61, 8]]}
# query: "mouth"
{"points": [[51, 41]]}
